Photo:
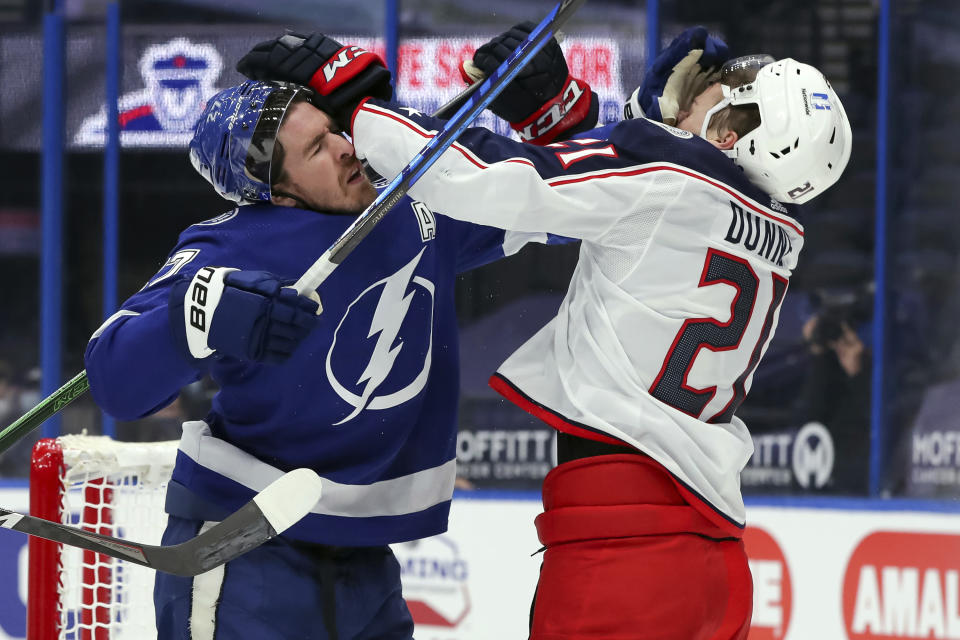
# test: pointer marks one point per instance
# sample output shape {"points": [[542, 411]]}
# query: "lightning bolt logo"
{"points": [[391, 311]]}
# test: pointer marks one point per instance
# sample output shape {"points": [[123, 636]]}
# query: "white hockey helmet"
{"points": [[804, 139]]}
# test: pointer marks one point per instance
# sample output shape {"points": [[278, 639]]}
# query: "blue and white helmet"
{"points": [[233, 140]]}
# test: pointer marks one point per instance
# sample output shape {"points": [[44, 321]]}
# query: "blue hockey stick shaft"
{"points": [[398, 187]]}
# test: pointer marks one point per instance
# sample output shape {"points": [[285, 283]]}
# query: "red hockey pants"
{"points": [[628, 558]]}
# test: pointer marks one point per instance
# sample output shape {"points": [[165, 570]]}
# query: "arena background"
{"points": [[852, 491]]}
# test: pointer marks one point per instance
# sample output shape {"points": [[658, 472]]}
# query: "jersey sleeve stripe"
{"points": [[413, 126], [106, 323], [633, 171], [565, 180]]}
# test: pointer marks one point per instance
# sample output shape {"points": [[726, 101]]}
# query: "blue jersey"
{"points": [[368, 400]]}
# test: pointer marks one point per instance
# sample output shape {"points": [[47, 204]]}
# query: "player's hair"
{"points": [[741, 119]]}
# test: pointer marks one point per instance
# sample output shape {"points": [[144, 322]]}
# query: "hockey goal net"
{"points": [[113, 488]]}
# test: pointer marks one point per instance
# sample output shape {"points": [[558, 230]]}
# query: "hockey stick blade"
{"points": [[489, 89], [269, 513]]}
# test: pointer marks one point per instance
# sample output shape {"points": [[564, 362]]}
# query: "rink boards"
{"points": [[826, 569]]}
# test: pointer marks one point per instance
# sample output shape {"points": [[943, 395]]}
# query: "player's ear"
{"points": [[282, 199], [724, 140]]}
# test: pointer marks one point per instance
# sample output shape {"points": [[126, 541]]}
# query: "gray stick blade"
{"points": [[271, 511], [284, 502], [244, 530]]}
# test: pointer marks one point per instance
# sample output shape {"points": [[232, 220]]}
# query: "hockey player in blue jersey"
{"points": [[363, 389], [689, 240]]}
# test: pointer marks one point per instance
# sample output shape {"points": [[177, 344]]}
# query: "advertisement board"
{"points": [[827, 573], [166, 80], [933, 450], [824, 573]]}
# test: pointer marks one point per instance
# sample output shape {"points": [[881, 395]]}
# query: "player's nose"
{"points": [[345, 150]]}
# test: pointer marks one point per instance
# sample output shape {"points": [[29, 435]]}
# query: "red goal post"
{"points": [[113, 488]]}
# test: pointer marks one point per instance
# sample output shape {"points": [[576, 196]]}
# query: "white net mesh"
{"points": [[116, 489]]}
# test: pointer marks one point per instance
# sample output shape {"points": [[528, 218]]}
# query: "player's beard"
{"points": [[364, 199]]}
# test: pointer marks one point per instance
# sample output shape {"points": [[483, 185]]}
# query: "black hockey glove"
{"points": [[341, 75], [543, 103]]}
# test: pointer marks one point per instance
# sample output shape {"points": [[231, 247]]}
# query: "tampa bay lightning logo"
{"points": [[399, 362]]}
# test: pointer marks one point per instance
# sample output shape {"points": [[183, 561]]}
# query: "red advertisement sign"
{"points": [[903, 585], [772, 591]]}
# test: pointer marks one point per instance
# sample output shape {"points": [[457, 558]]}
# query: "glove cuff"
{"points": [[589, 122], [199, 304], [351, 75], [561, 113], [342, 67], [192, 305]]}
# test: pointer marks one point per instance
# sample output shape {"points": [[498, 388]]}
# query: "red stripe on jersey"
{"points": [[554, 182], [413, 126], [503, 386]]}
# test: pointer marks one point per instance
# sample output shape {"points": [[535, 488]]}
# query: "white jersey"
{"points": [[682, 270]]}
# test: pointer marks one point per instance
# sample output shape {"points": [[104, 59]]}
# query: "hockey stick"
{"points": [[471, 102], [398, 187], [273, 510], [78, 385], [449, 108], [49, 406]]}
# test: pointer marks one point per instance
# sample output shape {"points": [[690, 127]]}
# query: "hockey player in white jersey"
{"points": [[689, 240]]}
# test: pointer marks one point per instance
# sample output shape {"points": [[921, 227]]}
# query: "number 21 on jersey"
{"points": [[696, 334]]}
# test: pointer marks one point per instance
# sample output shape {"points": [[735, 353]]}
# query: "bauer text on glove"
{"points": [[246, 315]]}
